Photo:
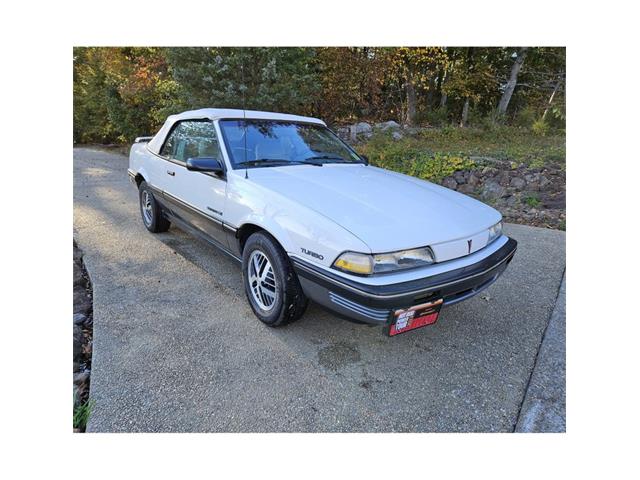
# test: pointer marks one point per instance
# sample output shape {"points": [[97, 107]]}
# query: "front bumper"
{"points": [[374, 303]]}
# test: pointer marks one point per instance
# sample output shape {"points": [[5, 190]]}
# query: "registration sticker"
{"points": [[406, 319]]}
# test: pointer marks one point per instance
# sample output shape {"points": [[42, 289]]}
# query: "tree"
{"points": [[413, 69], [513, 80], [471, 78], [282, 79]]}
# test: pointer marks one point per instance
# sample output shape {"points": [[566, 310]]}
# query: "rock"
{"points": [[78, 277], [492, 190], [489, 171], [517, 183], [533, 186], [459, 177], [511, 200], [397, 135], [79, 319], [78, 337], [473, 180], [362, 127], [81, 378], [384, 126], [449, 182], [81, 300], [504, 179], [77, 254], [466, 188], [532, 177], [544, 182], [343, 132]]}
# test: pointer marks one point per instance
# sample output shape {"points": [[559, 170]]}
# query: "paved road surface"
{"points": [[177, 347]]}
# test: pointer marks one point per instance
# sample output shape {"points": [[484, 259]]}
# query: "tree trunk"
{"points": [[443, 95], [411, 103], [513, 79], [553, 94], [465, 113]]}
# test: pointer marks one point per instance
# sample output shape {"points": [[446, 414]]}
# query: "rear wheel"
{"points": [[271, 285], [150, 210]]}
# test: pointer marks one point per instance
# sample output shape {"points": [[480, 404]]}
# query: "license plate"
{"points": [[410, 318]]}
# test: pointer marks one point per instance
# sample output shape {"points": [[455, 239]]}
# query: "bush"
{"points": [[540, 127], [410, 157], [525, 117], [436, 118]]}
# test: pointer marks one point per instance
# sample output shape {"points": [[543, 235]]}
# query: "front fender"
{"points": [[301, 231]]}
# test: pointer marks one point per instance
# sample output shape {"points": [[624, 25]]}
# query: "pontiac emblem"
{"points": [[469, 242]]}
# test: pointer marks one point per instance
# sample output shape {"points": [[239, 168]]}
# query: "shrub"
{"points": [[437, 117], [525, 117], [410, 157], [540, 127]]}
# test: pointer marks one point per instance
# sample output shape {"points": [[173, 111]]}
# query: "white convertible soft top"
{"points": [[219, 113]]}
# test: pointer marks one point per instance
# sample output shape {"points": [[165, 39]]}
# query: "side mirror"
{"points": [[204, 164]]}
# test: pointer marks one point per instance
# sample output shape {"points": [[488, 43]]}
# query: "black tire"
{"points": [[152, 217], [290, 301]]}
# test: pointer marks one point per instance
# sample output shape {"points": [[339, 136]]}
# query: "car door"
{"points": [[197, 198]]}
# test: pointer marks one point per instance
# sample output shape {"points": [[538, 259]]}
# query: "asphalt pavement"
{"points": [[177, 348]]}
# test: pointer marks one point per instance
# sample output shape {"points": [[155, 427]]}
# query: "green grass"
{"points": [[81, 415], [451, 148], [532, 201]]}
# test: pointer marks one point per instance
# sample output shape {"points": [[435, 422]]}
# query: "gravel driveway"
{"points": [[177, 348]]}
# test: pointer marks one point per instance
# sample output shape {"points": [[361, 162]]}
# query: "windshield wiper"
{"points": [[329, 157], [275, 162]]}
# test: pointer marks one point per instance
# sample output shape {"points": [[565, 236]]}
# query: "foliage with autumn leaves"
{"points": [[123, 92]]}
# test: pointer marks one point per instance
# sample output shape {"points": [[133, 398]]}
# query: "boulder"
{"points": [[466, 188], [511, 200], [489, 171], [460, 177], [449, 182], [396, 135], [504, 178], [384, 126], [544, 182], [517, 183], [492, 190], [473, 180], [362, 127]]}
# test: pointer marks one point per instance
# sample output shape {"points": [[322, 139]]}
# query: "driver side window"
{"points": [[192, 139]]}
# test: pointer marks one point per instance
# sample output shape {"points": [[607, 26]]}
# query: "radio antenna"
{"points": [[244, 117]]}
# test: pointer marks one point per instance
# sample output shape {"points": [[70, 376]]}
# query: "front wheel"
{"points": [[271, 285], [150, 211]]}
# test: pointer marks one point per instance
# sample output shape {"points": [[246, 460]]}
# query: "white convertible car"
{"points": [[309, 218]]}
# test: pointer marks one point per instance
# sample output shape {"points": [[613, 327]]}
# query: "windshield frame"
{"points": [[238, 166]]}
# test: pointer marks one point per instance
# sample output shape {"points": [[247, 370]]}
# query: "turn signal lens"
{"points": [[495, 232], [363, 264], [352, 262]]}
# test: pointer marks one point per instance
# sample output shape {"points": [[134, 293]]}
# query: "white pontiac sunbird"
{"points": [[309, 218]]}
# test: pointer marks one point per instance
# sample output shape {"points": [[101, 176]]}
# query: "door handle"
{"points": [[169, 172]]}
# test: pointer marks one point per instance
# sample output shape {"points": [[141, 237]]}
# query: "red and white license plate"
{"points": [[410, 318]]}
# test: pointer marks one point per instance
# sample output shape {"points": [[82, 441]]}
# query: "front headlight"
{"points": [[363, 264], [495, 232], [353, 262]]}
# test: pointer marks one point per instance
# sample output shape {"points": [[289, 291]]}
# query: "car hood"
{"points": [[386, 210]]}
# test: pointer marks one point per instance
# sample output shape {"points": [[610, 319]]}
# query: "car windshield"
{"points": [[278, 143]]}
